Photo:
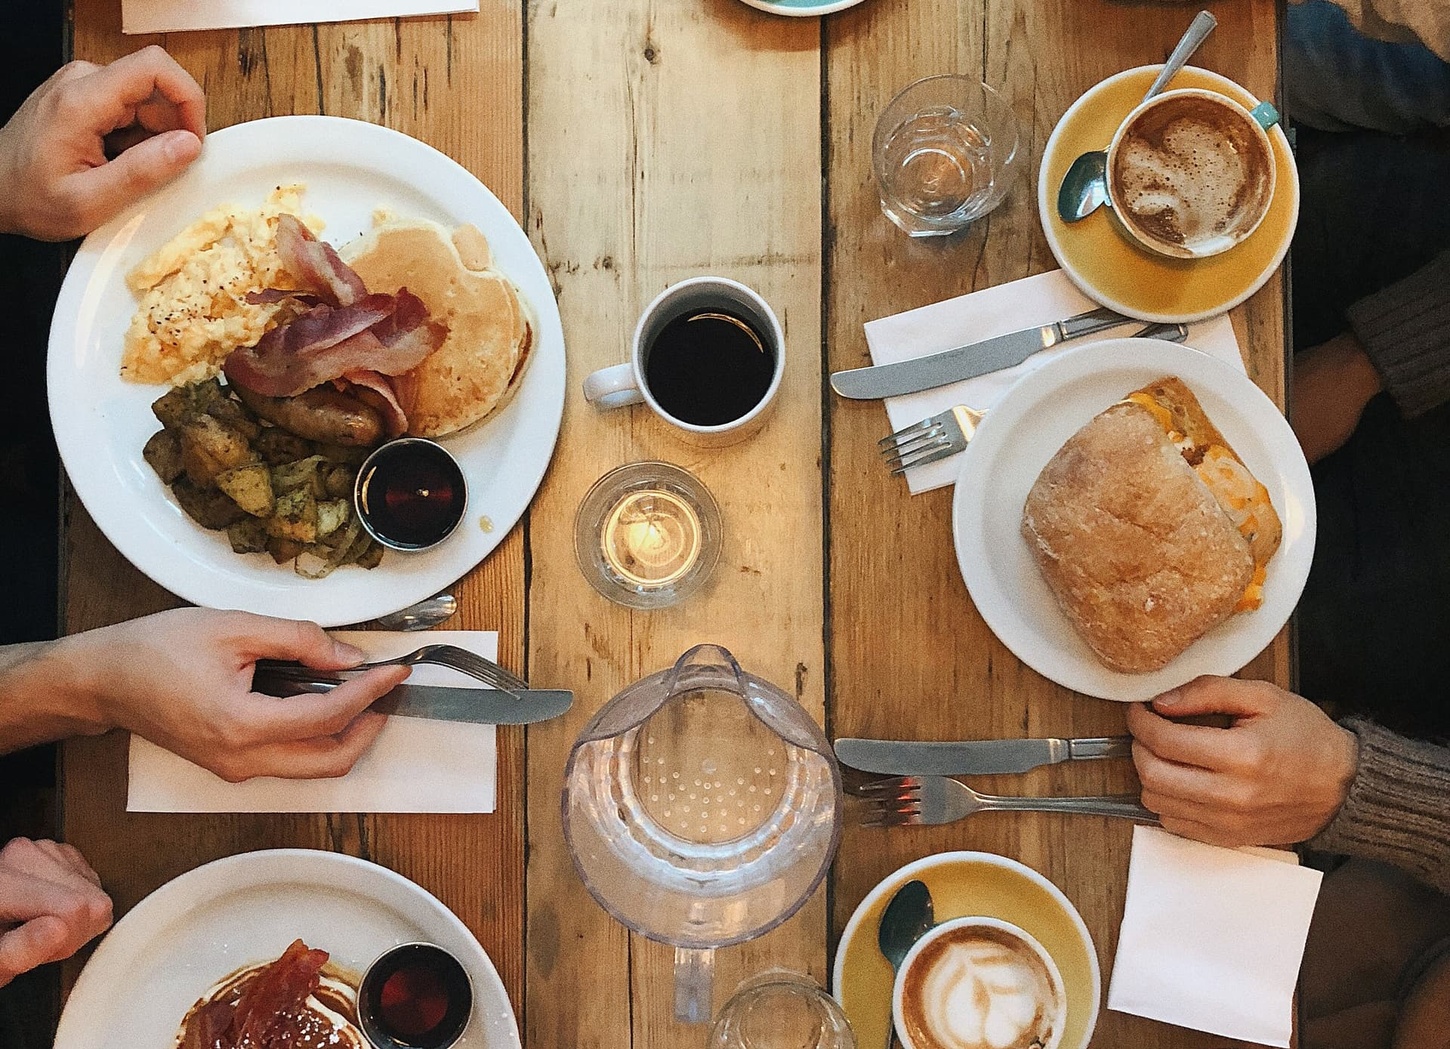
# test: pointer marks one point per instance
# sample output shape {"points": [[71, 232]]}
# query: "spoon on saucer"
{"points": [[1084, 188], [907, 918]]}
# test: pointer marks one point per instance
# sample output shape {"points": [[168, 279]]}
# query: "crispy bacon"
{"points": [[374, 390], [316, 264], [268, 296], [270, 1001]]}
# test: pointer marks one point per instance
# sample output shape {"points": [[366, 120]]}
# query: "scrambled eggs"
{"points": [[193, 309]]}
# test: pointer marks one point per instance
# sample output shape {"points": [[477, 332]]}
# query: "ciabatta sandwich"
{"points": [[1149, 529]]}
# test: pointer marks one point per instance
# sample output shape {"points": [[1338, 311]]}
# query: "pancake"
{"points": [[480, 362]]}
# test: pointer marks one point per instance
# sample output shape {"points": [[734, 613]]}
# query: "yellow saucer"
{"points": [[962, 884], [1111, 269]]}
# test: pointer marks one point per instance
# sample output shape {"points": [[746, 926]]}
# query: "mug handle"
{"points": [[1265, 115], [694, 984], [612, 387]]}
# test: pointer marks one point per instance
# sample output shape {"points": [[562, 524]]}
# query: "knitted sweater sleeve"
{"points": [[1398, 809], [1405, 329]]}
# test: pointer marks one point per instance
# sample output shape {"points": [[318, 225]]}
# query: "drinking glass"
{"points": [[781, 1010], [945, 153], [647, 534]]}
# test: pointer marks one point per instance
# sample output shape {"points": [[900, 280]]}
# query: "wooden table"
{"points": [[640, 142]]}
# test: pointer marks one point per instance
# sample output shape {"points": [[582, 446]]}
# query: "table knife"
{"points": [[978, 358], [974, 757], [484, 706]]}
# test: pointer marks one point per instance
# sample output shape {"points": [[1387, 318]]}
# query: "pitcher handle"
{"points": [[694, 983], [706, 657]]}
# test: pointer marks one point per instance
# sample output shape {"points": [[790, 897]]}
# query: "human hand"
{"points": [[1275, 776], [183, 680], [92, 139], [51, 904], [1332, 384]]}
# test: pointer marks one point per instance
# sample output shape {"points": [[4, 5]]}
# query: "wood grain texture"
{"points": [[425, 77], [668, 140], [909, 655]]}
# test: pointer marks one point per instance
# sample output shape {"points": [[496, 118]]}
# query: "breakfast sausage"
{"points": [[319, 414]]}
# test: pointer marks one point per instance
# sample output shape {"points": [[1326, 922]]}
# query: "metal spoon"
{"points": [[421, 616], [907, 918], [1084, 188]]}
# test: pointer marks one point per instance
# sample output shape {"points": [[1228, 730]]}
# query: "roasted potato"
{"points": [[250, 486], [270, 489]]}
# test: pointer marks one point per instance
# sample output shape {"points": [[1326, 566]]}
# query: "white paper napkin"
{"points": [[415, 765], [166, 16], [1212, 938], [1025, 303]]}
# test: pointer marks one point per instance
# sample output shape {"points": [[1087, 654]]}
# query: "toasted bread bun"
{"points": [[477, 366], [1149, 529]]}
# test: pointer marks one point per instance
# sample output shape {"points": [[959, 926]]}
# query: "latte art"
{"points": [[981, 989], [1192, 172]]}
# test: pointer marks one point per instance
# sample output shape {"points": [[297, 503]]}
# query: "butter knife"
{"points": [[978, 358], [974, 757], [483, 706]]}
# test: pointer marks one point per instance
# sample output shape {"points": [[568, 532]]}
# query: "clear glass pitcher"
{"points": [[702, 807]]}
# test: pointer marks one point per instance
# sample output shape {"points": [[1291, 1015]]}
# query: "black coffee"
{"points": [[709, 367]]}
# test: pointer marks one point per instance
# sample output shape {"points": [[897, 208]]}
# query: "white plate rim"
{"points": [[910, 870], [1023, 615], [825, 7], [81, 1025], [140, 518], [1047, 203]]}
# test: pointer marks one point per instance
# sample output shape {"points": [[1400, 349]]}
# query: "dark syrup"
{"points": [[417, 995], [709, 367], [411, 494]]}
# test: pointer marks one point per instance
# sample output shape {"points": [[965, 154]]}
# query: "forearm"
{"points": [[44, 693], [1398, 808], [1405, 330]]}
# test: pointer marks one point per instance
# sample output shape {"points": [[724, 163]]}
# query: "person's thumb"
{"points": [[1203, 698], [103, 191]]}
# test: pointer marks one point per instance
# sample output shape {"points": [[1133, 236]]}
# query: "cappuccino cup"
{"points": [[978, 983], [1190, 173]]}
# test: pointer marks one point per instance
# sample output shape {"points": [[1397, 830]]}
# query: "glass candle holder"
{"points": [[647, 535]]}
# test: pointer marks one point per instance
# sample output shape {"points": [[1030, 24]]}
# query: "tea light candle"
{"points": [[651, 538]]}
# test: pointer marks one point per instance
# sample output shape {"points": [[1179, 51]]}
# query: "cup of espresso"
{"points": [[707, 358], [978, 983], [1191, 173]]}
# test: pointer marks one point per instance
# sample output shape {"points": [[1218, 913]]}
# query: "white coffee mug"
{"points": [[628, 383], [1253, 123], [977, 999]]}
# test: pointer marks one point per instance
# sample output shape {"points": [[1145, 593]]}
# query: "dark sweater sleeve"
{"points": [[1405, 329], [1398, 809]]}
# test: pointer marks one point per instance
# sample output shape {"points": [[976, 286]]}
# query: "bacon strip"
{"points": [[316, 264], [271, 1000], [374, 390]]}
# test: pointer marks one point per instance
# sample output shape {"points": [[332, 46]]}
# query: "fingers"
{"points": [[56, 897], [123, 89], [1198, 745], [149, 164], [324, 757], [1213, 695], [38, 942], [305, 716], [268, 638]]}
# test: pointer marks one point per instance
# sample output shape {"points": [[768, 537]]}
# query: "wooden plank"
{"points": [[424, 77], [648, 165], [909, 655]]}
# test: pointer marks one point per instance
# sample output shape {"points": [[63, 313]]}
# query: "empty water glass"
{"points": [[781, 1010], [945, 152]]}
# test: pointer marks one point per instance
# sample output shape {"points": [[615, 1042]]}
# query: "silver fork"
{"points": [[938, 799], [460, 659], [947, 433]]}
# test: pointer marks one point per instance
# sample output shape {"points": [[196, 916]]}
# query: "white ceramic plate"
{"points": [[174, 945], [1027, 428], [802, 8], [101, 421]]}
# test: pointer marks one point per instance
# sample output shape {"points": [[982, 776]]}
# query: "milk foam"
{"points": [[1192, 180], [980, 994]]}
